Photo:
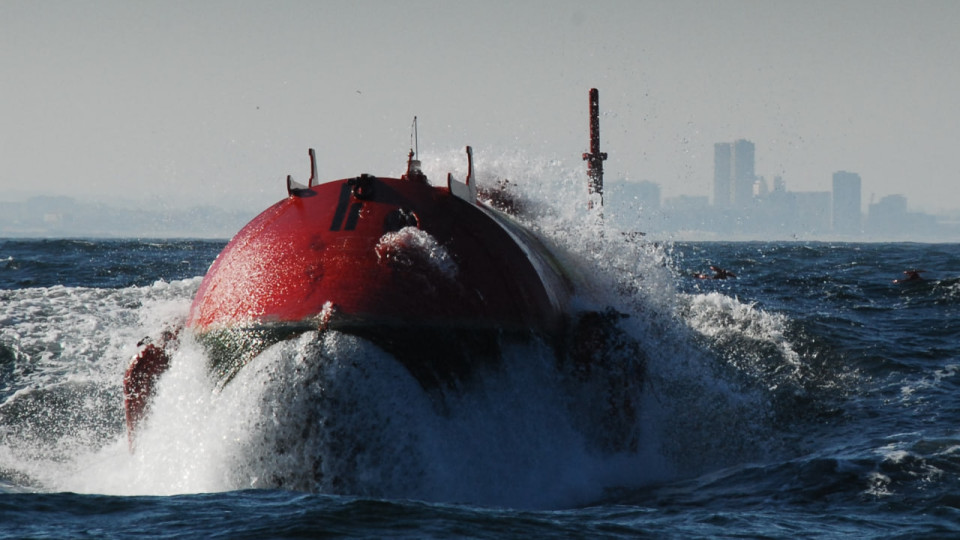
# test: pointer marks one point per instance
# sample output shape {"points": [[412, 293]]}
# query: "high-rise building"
{"points": [[722, 175], [733, 174], [888, 216], [846, 203], [648, 195], [743, 173]]}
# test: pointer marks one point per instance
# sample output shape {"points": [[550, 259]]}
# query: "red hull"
{"points": [[429, 274], [394, 252]]}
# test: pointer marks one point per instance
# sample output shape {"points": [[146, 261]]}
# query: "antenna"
{"points": [[414, 139], [413, 161]]}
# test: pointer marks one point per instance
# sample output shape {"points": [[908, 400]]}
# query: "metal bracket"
{"points": [[464, 190], [296, 189]]}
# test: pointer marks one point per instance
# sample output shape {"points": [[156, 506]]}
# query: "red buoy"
{"points": [[437, 278]]}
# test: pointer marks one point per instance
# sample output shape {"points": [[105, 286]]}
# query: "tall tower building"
{"points": [[733, 174], [743, 173], [846, 203], [722, 175]]}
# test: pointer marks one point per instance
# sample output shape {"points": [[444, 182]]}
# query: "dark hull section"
{"points": [[438, 357]]}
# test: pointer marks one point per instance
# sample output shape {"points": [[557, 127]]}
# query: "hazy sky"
{"points": [[210, 102]]}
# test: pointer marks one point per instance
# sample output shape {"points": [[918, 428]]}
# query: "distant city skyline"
{"points": [[631, 206], [744, 206]]}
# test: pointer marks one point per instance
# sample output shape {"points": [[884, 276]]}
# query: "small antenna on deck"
{"points": [[414, 139], [413, 159]]}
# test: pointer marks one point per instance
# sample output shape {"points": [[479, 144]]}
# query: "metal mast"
{"points": [[595, 157]]}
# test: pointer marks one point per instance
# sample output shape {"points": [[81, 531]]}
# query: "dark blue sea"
{"points": [[809, 397]]}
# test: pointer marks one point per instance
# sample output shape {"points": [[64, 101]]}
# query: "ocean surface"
{"points": [[810, 397]]}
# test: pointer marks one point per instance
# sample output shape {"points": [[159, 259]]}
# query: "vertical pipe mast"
{"points": [[595, 157]]}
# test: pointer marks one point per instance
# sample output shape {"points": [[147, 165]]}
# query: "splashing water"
{"points": [[332, 413], [416, 248]]}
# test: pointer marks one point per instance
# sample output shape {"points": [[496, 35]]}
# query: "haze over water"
{"points": [[167, 106]]}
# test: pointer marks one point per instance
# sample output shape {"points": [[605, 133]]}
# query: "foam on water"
{"points": [[333, 413], [402, 245], [64, 349]]}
